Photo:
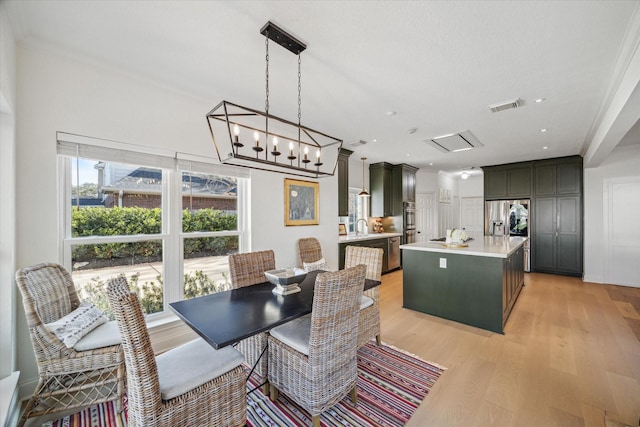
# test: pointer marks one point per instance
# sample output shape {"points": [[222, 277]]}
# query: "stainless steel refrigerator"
{"points": [[509, 218]]}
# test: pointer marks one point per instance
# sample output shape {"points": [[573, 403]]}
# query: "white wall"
{"points": [[472, 186], [622, 162], [63, 93]]}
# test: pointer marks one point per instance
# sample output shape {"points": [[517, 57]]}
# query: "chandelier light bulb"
{"points": [[275, 142]]}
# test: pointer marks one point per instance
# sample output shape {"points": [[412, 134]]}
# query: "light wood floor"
{"points": [[570, 356]]}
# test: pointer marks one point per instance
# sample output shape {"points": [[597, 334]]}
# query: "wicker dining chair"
{"points": [[190, 385], [369, 319], [312, 359], [309, 250], [248, 269], [91, 372]]}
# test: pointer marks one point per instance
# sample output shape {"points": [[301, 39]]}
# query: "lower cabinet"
{"points": [[512, 281], [373, 243], [556, 246]]}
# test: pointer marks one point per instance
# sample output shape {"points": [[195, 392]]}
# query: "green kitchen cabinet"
{"points": [[404, 186], [511, 181], [391, 186], [556, 245], [381, 187], [343, 181], [561, 176]]}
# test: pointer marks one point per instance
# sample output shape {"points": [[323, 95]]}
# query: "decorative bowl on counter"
{"points": [[286, 280]]}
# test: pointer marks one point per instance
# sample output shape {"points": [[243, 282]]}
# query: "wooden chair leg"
{"points": [[273, 393], [265, 389], [316, 420], [354, 395], [378, 340]]}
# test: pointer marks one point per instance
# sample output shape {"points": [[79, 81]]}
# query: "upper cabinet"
{"points": [[381, 184], [343, 181], [406, 175], [562, 176], [391, 186], [507, 181]]}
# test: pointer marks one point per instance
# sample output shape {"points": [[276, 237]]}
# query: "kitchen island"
{"points": [[476, 284]]}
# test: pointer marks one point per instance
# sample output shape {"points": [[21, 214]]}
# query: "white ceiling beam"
{"points": [[624, 109]]}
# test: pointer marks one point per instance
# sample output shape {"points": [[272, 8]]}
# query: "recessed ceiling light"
{"points": [[413, 130], [464, 175], [408, 155], [543, 130], [391, 113], [431, 164], [375, 140], [545, 147], [539, 100]]}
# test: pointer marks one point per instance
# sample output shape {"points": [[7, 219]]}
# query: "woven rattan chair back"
{"points": [[68, 379], [371, 257], [369, 319], [329, 373], [221, 401], [309, 250], [143, 386], [248, 268], [334, 317]]}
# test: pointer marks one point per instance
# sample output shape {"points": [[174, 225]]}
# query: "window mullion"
{"points": [[173, 252]]}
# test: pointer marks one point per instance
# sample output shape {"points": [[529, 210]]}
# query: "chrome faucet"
{"points": [[365, 223]]}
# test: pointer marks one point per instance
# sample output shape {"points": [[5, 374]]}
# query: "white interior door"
{"points": [[621, 233], [472, 216], [426, 218]]}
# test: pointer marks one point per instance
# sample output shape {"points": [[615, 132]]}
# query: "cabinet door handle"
{"points": [[557, 223]]}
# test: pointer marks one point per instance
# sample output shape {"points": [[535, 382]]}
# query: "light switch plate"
{"points": [[443, 263]]}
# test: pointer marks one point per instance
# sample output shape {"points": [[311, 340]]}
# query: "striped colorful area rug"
{"points": [[391, 385]]}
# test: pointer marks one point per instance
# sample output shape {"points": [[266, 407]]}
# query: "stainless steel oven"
{"points": [[408, 222]]}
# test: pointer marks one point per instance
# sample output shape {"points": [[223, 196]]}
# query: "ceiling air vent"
{"points": [[358, 143], [505, 105]]}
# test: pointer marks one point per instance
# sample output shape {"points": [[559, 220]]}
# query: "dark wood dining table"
{"points": [[225, 318]]}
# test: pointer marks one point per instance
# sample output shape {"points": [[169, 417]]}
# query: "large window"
{"points": [[358, 208], [165, 221]]}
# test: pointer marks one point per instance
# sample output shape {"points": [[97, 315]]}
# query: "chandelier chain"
{"points": [[299, 92], [266, 102]]}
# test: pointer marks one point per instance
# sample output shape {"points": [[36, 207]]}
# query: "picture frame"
{"points": [[342, 229], [301, 202]]}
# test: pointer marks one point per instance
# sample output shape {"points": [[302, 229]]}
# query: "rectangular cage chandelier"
{"points": [[256, 139]]}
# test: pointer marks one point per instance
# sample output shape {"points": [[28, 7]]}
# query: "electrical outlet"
{"points": [[443, 263]]}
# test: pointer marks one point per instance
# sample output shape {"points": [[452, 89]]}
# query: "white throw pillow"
{"points": [[320, 264], [75, 325]]}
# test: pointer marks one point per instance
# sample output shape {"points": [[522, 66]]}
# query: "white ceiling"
{"points": [[437, 65]]}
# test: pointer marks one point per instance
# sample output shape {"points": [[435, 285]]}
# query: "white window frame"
{"points": [[173, 164]]}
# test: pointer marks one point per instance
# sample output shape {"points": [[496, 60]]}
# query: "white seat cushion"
{"points": [[193, 364], [104, 335], [295, 334], [365, 302]]}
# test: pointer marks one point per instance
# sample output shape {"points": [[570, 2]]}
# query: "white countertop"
{"points": [[497, 247], [370, 236]]}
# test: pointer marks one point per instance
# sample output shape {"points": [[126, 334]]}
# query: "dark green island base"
{"points": [[479, 286]]}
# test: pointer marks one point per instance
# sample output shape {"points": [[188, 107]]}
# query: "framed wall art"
{"points": [[301, 202]]}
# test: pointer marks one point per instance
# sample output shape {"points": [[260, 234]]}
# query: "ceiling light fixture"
{"points": [[543, 130], [363, 193], [232, 126], [464, 175], [539, 100]]}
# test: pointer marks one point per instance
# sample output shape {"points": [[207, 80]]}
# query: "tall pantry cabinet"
{"points": [[556, 243]]}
